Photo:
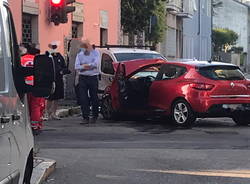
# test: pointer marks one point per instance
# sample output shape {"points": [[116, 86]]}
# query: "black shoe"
{"points": [[85, 121]]}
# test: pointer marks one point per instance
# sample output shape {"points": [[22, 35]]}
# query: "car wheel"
{"points": [[28, 169], [182, 114], [107, 110], [241, 121]]}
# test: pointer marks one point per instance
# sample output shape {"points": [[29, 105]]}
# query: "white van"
{"points": [[16, 139]]}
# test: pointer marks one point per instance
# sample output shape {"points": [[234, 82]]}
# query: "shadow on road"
{"points": [[159, 126]]}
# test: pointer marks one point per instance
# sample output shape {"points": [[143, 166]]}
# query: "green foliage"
{"points": [[135, 17], [222, 38], [158, 30]]}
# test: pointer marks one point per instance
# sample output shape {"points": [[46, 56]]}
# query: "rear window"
{"points": [[132, 56], [222, 72]]}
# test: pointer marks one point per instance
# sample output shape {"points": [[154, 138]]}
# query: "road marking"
{"points": [[103, 176], [215, 173]]}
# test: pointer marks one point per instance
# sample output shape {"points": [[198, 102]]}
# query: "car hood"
{"points": [[135, 65]]}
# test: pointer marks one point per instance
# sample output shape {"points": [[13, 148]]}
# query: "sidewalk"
{"points": [[67, 111], [43, 168]]}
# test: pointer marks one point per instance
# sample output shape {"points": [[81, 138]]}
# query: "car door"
{"points": [[107, 71], [5, 145], [118, 89], [166, 87]]}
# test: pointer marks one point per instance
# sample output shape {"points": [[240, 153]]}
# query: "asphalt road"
{"points": [[149, 152]]}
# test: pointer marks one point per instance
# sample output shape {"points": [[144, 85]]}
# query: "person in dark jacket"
{"points": [[60, 70]]}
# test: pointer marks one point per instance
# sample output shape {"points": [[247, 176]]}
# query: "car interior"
{"points": [[134, 91]]}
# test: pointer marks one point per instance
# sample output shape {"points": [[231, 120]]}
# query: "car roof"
{"points": [[128, 50], [196, 63]]}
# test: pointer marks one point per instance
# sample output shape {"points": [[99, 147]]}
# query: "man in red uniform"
{"points": [[36, 105]]}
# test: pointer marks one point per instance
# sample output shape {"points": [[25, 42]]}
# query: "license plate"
{"points": [[232, 106]]}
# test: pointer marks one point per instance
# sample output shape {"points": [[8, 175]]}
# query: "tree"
{"points": [[156, 33], [136, 16], [223, 39]]}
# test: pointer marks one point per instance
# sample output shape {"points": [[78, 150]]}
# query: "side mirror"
{"points": [[44, 76]]}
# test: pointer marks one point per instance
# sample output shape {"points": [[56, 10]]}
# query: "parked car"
{"points": [[181, 91], [114, 55], [16, 139]]}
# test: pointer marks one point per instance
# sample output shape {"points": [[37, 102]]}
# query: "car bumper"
{"points": [[220, 106]]}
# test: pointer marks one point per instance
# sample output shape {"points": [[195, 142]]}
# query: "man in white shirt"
{"points": [[87, 61]]}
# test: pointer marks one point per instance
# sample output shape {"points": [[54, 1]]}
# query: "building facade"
{"points": [[171, 47], [97, 20], [188, 34], [197, 30], [235, 15]]}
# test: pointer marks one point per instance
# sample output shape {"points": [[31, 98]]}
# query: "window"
{"points": [[103, 36], [150, 71], [107, 65], [132, 56], [77, 30], [221, 72], [12, 46], [171, 72], [27, 29]]}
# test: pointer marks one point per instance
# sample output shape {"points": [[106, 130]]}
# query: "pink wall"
{"points": [[92, 19], [48, 32]]}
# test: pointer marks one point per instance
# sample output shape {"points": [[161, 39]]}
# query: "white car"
{"points": [[109, 56]]}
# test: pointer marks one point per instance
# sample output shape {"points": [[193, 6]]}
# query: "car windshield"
{"points": [[222, 73], [132, 56]]}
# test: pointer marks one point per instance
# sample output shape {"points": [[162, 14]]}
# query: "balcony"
{"points": [[174, 6], [178, 8]]}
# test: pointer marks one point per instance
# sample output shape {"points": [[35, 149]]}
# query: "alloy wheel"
{"points": [[180, 113]]}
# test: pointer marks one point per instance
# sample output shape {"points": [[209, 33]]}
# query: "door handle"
{"points": [[5, 119]]}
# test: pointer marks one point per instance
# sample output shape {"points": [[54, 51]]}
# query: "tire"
{"points": [[182, 114], [28, 169], [107, 110], [241, 121]]}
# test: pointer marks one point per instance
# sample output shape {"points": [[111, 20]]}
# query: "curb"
{"points": [[43, 168], [62, 113]]}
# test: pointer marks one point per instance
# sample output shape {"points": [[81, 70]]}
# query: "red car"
{"points": [[182, 91]]}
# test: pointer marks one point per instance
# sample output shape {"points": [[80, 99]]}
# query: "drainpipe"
{"points": [[199, 27], [212, 22]]}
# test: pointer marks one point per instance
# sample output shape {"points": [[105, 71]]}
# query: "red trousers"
{"points": [[36, 107]]}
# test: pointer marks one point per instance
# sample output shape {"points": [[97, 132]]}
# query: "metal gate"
{"points": [[27, 29]]}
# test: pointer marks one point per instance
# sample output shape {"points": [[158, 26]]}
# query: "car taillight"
{"points": [[202, 86], [248, 86]]}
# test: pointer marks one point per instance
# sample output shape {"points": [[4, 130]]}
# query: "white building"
{"points": [[188, 34], [235, 15]]}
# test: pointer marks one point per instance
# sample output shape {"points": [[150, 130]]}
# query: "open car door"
{"points": [[44, 76], [118, 88]]}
